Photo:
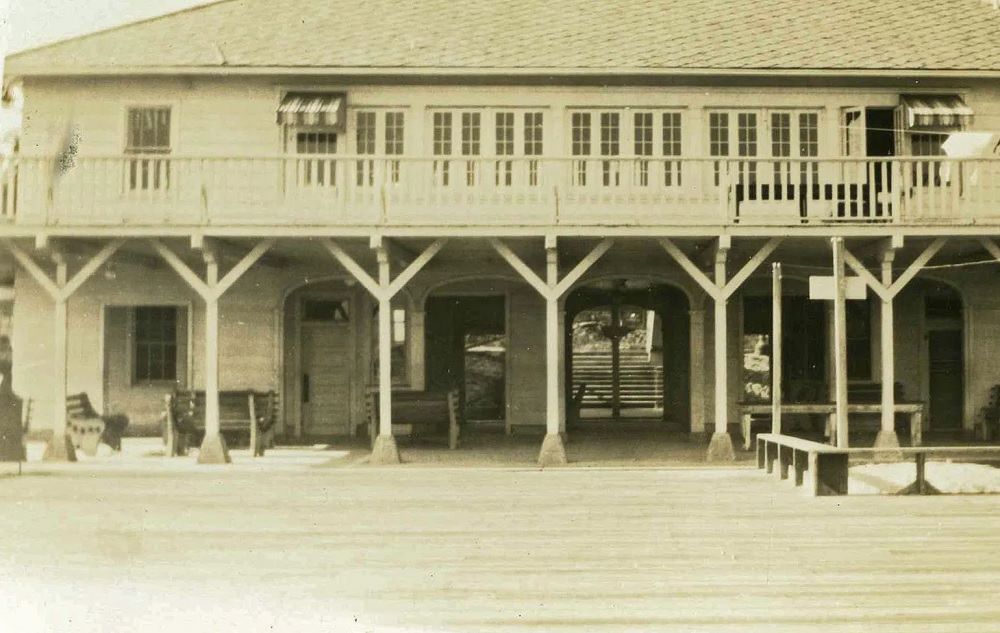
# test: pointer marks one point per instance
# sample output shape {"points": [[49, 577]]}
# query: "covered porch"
{"points": [[325, 321]]}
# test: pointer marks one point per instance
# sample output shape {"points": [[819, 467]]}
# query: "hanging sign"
{"points": [[824, 288]]}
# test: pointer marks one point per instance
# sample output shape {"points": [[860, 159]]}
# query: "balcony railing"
{"points": [[496, 191]]}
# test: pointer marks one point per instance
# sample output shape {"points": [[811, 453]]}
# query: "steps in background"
{"points": [[641, 381]]}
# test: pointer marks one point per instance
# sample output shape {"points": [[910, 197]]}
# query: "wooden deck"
{"points": [[404, 548]]}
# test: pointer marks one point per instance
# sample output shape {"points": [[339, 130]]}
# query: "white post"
{"points": [[60, 448], [840, 342], [720, 447], [887, 438], [385, 450], [776, 349], [553, 451], [213, 448], [697, 371]]}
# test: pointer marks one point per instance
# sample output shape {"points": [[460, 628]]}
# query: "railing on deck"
{"points": [[501, 190]]}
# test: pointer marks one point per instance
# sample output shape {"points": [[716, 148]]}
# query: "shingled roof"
{"points": [[544, 35]]}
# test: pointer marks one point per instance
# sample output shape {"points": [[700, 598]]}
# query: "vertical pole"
{"points": [[776, 329], [213, 447], [721, 348], [840, 341], [888, 352], [384, 450], [887, 438], [384, 348], [552, 345], [720, 447], [616, 362], [60, 448], [553, 451]]}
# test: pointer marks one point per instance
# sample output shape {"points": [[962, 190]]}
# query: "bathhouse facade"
{"points": [[568, 211]]}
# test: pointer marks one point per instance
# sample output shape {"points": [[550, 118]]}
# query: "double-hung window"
{"points": [[374, 129], [155, 344], [148, 143]]}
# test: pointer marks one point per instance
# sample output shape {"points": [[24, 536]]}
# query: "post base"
{"points": [[887, 447], [564, 437], [59, 449], [553, 451], [720, 448], [385, 452], [214, 450]]}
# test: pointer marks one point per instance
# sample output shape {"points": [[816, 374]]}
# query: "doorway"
{"points": [[326, 345], [466, 348], [945, 358]]}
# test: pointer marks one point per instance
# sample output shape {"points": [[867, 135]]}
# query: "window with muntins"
{"points": [[312, 170], [155, 348], [490, 148], [147, 137]]}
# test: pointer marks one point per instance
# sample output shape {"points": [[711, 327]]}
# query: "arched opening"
{"points": [[628, 352]]}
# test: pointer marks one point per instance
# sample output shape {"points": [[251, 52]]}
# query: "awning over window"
{"points": [[320, 109], [935, 111]]}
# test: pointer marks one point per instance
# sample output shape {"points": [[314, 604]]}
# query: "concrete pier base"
{"points": [[59, 449], [553, 451], [887, 447], [720, 448], [385, 452], [214, 450]]}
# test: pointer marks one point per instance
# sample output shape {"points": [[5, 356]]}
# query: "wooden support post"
{"points": [[776, 349], [720, 446], [60, 290], [887, 441], [383, 289], [553, 452], [213, 447], [840, 342]]}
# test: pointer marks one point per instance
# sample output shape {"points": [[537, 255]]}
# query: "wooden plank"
{"points": [[776, 331], [840, 343]]}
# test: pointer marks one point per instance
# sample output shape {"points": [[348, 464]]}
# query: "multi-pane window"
{"points": [[533, 143], [394, 129], [746, 147], [671, 130], [491, 143], [155, 344], [642, 138], [148, 136], [718, 138], [365, 137], [504, 139], [313, 170], [809, 146], [929, 146], [442, 122], [781, 145], [610, 146], [580, 123], [471, 142]]}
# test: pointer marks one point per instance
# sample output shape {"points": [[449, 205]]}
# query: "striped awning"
{"points": [[936, 111], [322, 109]]}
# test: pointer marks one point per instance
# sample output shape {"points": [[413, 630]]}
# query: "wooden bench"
{"points": [[241, 413], [419, 413], [87, 428], [576, 404], [828, 465], [988, 421]]}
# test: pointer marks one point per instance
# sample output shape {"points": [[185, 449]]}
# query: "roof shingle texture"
{"points": [[549, 34]]}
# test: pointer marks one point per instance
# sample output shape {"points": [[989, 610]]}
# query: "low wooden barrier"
{"points": [[914, 410], [827, 466]]}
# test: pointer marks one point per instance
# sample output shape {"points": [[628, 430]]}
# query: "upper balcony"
{"points": [[397, 191]]}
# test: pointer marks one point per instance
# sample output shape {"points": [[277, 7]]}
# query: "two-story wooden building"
{"points": [[321, 198]]}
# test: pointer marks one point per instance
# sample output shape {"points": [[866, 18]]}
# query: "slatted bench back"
{"points": [[234, 410], [78, 407]]}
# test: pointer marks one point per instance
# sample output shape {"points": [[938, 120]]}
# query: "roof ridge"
{"points": [[117, 27]]}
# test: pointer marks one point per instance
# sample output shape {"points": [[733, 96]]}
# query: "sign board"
{"points": [[824, 288]]}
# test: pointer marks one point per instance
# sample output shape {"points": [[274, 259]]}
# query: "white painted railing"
{"points": [[494, 191]]}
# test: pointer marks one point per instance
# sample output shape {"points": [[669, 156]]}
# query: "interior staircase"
{"points": [[641, 381]]}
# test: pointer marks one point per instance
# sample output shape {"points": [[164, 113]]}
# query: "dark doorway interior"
{"points": [[945, 357], [466, 347], [803, 349]]}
